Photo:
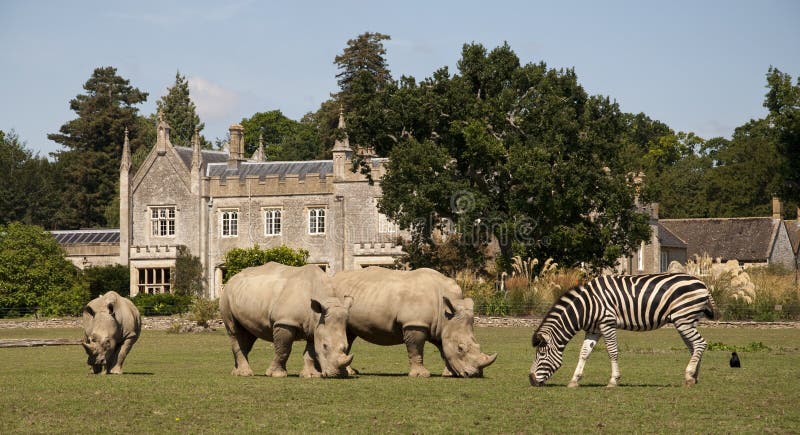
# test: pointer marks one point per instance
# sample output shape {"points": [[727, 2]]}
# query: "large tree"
{"points": [[93, 141], [517, 153], [283, 138], [29, 192], [783, 102], [180, 112], [35, 276]]}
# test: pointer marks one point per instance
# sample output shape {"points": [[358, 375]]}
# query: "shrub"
{"points": [[65, 303], [188, 278], [161, 304], [101, 279], [238, 259], [204, 310]]}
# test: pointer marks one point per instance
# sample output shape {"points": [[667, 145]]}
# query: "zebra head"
{"points": [[547, 360]]}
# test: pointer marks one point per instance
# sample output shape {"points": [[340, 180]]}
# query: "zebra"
{"points": [[633, 303]]}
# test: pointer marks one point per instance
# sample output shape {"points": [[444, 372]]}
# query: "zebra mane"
{"points": [[551, 319]]}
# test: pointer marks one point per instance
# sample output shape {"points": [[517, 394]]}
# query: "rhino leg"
{"points": [[121, 354], [241, 343], [310, 364], [414, 339], [446, 372], [350, 339], [282, 339]]}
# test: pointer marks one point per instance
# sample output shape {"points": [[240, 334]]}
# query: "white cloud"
{"points": [[214, 103]]}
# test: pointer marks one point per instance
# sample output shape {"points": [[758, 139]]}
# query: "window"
{"points": [[162, 221], [272, 221], [385, 226], [230, 223], [316, 221], [155, 280]]}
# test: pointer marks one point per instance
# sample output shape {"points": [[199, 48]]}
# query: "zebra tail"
{"points": [[711, 311]]}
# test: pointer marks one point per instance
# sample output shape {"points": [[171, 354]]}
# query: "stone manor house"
{"points": [[213, 201]]}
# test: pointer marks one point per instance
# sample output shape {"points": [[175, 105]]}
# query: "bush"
{"points": [[34, 273], [161, 304], [65, 303], [102, 279], [204, 310], [238, 259], [188, 278]]}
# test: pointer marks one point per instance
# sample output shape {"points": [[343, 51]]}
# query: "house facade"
{"points": [[214, 201]]}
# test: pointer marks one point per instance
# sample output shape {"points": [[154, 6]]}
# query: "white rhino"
{"points": [[111, 325], [394, 307], [282, 304]]}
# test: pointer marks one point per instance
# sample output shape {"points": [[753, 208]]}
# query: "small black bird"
{"points": [[735, 360]]}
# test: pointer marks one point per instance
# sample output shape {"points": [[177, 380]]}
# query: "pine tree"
{"points": [[90, 165], [181, 113]]}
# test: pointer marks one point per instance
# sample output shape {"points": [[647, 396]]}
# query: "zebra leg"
{"points": [[610, 336], [586, 350], [697, 345]]}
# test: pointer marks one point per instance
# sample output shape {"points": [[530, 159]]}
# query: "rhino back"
{"points": [[263, 296], [385, 301]]}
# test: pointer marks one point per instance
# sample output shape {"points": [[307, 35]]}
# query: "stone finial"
{"points": [[259, 155], [344, 143], [162, 132], [125, 163]]}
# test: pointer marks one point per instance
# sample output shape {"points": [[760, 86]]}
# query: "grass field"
{"points": [[182, 383]]}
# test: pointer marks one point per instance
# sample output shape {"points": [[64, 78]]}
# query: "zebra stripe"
{"points": [[633, 303]]}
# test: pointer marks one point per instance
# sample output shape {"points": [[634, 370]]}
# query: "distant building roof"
{"points": [[264, 169], [207, 156], [87, 237], [793, 228], [744, 239], [668, 239]]}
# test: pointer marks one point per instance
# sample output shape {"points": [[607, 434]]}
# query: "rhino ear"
{"points": [[88, 310], [318, 307], [449, 309]]}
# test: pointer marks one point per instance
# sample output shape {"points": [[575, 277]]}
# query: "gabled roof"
{"points": [[264, 169], [669, 239], [207, 156], [87, 237], [793, 228], [744, 239]]}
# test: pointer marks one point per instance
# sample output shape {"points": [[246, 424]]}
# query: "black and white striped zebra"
{"points": [[634, 303]]}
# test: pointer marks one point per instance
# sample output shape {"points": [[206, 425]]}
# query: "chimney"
{"points": [[236, 145], [654, 210], [777, 208]]}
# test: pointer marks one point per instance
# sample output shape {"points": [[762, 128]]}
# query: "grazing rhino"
{"points": [[111, 325], [282, 304], [395, 307]]}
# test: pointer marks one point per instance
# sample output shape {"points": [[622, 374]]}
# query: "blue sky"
{"points": [[696, 65]]}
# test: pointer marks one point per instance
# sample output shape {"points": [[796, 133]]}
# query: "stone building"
{"points": [[655, 255], [213, 201], [90, 248]]}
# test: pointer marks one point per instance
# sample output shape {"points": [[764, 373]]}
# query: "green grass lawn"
{"points": [[182, 383]]}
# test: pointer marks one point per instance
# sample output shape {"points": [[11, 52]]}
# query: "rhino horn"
{"points": [[488, 360], [345, 360]]}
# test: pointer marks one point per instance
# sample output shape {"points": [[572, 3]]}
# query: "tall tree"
{"points": [[783, 102], [29, 192], [495, 149], [283, 138], [93, 141], [365, 84], [180, 113]]}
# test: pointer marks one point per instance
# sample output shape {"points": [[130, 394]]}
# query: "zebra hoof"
{"points": [[689, 382], [610, 385], [572, 384]]}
